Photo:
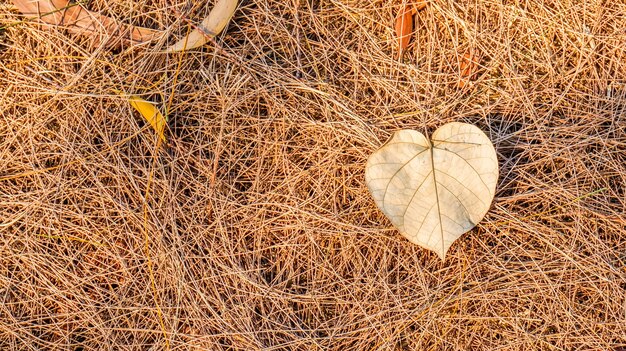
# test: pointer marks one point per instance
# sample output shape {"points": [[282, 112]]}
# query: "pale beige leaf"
{"points": [[210, 27], [78, 19], [433, 192]]}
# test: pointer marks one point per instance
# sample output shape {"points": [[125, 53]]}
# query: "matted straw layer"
{"points": [[255, 230]]}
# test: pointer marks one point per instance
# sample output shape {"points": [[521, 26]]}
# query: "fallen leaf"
{"points": [[404, 28], [7, 7], [434, 191], [210, 27], [78, 19], [468, 67], [148, 111]]}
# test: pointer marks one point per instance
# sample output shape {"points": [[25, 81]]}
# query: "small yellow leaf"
{"points": [[210, 27], [149, 112]]}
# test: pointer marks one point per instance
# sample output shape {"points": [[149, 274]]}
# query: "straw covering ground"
{"points": [[254, 230]]}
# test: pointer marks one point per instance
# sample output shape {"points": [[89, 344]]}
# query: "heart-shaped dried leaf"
{"points": [[433, 192], [78, 19], [210, 27]]}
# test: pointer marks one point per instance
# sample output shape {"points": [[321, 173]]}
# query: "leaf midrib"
{"points": [[432, 165]]}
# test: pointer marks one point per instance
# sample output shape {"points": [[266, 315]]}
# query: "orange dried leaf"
{"points": [[404, 28], [468, 67], [78, 19]]}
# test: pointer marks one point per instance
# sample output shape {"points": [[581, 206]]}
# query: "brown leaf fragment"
{"points": [[468, 67], [50, 11], [77, 19], [404, 28]]}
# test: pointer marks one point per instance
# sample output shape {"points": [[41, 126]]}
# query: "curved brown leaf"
{"points": [[79, 20]]}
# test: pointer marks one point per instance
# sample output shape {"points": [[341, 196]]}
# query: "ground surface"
{"points": [[255, 230]]}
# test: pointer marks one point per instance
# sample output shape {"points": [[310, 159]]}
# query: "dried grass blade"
{"points": [[420, 6], [210, 27]]}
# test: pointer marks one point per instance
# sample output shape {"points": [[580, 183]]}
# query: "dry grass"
{"points": [[255, 230]]}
